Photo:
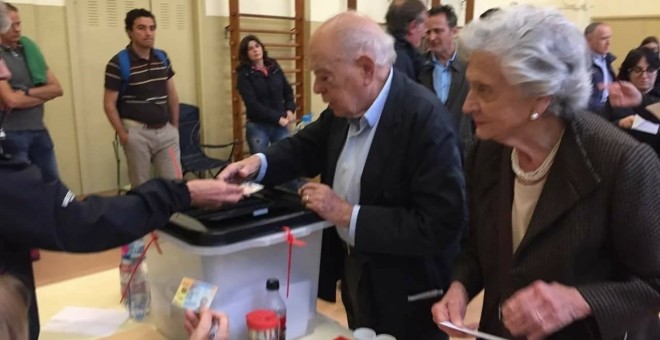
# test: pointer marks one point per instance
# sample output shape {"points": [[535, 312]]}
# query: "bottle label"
{"points": [[282, 328]]}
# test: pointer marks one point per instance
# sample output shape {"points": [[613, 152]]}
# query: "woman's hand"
{"points": [[627, 123], [283, 121], [452, 308], [541, 309]]}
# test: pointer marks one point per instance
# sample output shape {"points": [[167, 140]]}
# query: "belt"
{"points": [[138, 124]]}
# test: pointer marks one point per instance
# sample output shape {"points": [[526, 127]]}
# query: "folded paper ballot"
{"points": [[472, 332], [250, 188], [641, 124]]}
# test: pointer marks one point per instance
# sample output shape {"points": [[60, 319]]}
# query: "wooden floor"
{"points": [[55, 267]]}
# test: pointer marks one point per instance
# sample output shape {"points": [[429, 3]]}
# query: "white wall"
{"points": [[624, 8], [39, 2]]}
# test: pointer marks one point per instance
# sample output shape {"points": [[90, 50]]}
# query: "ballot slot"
{"points": [[260, 214]]}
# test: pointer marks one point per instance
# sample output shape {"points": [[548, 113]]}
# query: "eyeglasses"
{"points": [[638, 70]]}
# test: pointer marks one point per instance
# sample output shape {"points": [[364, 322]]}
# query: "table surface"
{"points": [[101, 290]]}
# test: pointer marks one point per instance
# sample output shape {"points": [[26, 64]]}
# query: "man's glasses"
{"points": [[638, 70]]}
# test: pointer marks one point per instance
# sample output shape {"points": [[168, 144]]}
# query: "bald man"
{"points": [[391, 181], [598, 37]]}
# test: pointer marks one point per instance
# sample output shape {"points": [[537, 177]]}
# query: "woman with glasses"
{"points": [[641, 69]]}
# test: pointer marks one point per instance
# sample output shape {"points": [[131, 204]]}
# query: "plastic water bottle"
{"points": [[138, 295], [275, 302], [306, 120]]}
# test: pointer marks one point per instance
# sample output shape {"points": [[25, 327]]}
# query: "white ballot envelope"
{"points": [[641, 124], [472, 332]]}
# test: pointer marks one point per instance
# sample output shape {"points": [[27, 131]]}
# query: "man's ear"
{"points": [[367, 68]]}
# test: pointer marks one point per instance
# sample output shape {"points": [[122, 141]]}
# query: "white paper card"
{"points": [[94, 322], [641, 124], [472, 332]]}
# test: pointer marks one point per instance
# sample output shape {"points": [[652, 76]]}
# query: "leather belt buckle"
{"points": [[155, 126]]}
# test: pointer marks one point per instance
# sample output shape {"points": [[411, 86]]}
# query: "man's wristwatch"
{"points": [[26, 90]]}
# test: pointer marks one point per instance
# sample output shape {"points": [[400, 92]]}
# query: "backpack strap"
{"points": [[160, 54], [124, 72]]}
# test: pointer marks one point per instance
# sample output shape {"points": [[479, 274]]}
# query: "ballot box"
{"points": [[237, 248]]}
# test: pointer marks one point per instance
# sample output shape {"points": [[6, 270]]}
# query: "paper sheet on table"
{"points": [[641, 124], [654, 109], [472, 332], [86, 321]]}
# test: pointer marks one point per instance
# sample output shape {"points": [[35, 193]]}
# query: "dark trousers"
{"points": [[358, 302]]}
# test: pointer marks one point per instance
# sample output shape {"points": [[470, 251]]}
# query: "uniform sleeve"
{"points": [[112, 75], [47, 216]]}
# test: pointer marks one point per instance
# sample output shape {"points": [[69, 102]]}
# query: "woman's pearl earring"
{"points": [[534, 116]]}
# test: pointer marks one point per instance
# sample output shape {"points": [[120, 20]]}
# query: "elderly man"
{"points": [[598, 37], [391, 180], [405, 22], [445, 73]]}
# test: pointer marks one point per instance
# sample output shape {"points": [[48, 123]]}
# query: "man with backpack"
{"points": [[141, 102]]}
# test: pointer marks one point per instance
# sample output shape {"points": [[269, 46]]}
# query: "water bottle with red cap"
{"points": [[275, 302]]}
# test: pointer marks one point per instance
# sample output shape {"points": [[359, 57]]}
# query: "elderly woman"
{"points": [[641, 69], [266, 93], [564, 207]]}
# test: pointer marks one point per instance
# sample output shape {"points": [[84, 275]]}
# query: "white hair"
{"points": [[358, 35], [539, 50], [5, 23]]}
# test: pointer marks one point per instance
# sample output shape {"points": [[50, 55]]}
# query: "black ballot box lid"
{"points": [[263, 213]]}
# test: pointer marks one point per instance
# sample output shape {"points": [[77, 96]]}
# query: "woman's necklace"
{"points": [[539, 173]]}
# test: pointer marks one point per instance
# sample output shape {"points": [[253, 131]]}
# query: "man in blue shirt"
{"points": [[444, 73], [391, 181], [598, 37]]}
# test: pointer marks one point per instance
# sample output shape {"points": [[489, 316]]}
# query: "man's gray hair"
{"points": [[5, 23], [592, 27], [359, 37], [539, 50]]}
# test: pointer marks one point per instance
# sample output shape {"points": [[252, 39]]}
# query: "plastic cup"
{"points": [[364, 334]]}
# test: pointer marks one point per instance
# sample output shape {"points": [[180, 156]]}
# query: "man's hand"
{"points": [[452, 308], [199, 326], [623, 94], [322, 200], [123, 137], [240, 171], [541, 309], [213, 193], [283, 121]]}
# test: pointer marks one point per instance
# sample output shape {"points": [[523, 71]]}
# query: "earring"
{"points": [[534, 116]]}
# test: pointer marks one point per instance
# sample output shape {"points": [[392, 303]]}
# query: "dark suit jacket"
{"points": [[596, 227], [409, 60], [411, 199], [457, 92], [597, 77]]}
